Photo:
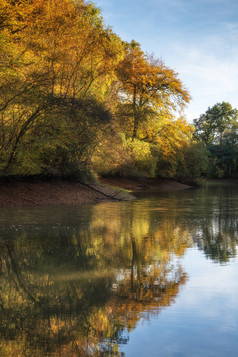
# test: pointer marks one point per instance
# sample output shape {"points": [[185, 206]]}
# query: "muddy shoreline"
{"points": [[56, 192]]}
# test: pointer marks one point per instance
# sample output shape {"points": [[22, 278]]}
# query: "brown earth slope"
{"points": [[52, 193], [144, 184], [16, 194]]}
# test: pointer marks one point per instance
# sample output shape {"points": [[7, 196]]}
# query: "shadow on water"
{"points": [[75, 281]]}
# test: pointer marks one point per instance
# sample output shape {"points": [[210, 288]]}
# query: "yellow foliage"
{"points": [[149, 84]]}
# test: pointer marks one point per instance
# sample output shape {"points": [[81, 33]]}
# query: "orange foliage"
{"points": [[150, 85]]}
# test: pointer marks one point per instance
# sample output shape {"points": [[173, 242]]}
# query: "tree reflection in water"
{"points": [[77, 282], [214, 224], [79, 291]]}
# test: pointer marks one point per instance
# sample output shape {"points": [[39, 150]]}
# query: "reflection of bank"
{"points": [[209, 215], [214, 225], [76, 289]]}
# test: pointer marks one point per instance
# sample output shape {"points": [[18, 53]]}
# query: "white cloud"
{"points": [[202, 48], [208, 67]]}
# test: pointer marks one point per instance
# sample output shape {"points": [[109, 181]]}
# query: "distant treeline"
{"points": [[75, 98]]}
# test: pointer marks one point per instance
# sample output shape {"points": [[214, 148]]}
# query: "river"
{"points": [[157, 276]]}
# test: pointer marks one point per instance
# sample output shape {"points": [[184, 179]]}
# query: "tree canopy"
{"points": [[219, 119], [150, 88], [217, 130], [74, 95]]}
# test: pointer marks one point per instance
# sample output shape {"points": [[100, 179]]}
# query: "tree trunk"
{"points": [[135, 117]]}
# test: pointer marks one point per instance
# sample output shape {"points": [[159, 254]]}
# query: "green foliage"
{"points": [[217, 129], [189, 163], [141, 156], [124, 157], [166, 167], [196, 161], [211, 126], [224, 158]]}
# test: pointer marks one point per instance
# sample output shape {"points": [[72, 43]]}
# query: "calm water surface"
{"points": [[153, 277]]}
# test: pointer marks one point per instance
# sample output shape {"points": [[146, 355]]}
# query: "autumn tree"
{"points": [[70, 88], [148, 86], [57, 54]]}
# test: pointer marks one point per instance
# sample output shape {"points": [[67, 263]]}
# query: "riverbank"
{"points": [[56, 192], [144, 184]]}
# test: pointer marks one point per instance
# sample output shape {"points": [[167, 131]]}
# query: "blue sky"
{"points": [[196, 38]]}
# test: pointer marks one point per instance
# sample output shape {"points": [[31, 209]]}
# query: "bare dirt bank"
{"points": [[145, 184], [52, 193]]}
